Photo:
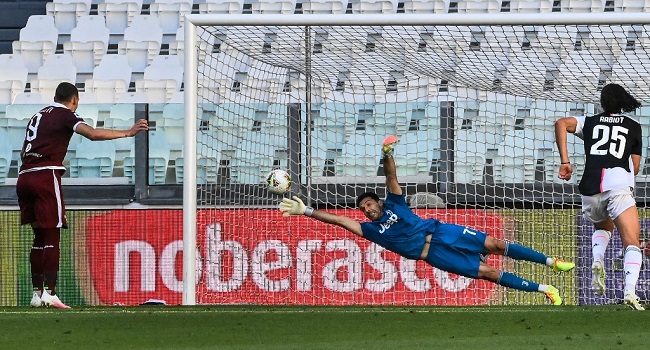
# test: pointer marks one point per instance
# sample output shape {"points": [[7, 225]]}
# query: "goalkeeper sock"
{"points": [[519, 252], [599, 242], [511, 280]]}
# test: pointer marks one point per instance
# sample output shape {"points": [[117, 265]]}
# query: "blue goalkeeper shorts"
{"points": [[456, 249]]}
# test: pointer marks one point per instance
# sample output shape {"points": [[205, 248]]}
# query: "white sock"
{"points": [[632, 266], [599, 242]]}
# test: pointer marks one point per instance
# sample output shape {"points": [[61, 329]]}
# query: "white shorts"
{"points": [[599, 207]]}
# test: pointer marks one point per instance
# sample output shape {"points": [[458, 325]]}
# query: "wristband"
{"points": [[565, 163], [309, 211]]}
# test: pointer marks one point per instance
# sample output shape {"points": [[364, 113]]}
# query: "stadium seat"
{"points": [[388, 119], [37, 40], [56, 69], [111, 78], [161, 79], [92, 159], [424, 6], [6, 149], [255, 157], [208, 160], [121, 116], [119, 13], [324, 6], [158, 156], [472, 144], [32, 98], [531, 6], [526, 72], [142, 40], [469, 169], [580, 70], [67, 12], [171, 14], [88, 43], [326, 147], [221, 6], [518, 143], [509, 169], [581, 6], [16, 119], [479, 6], [338, 116], [230, 121], [13, 77], [374, 6], [359, 156], [632, 6], [416, 151], [273, 6], [132, 97]]}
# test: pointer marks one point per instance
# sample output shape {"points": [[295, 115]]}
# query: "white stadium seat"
{"points": [[374, 6], [13, 77], [424, 6], [171, 13], [324, 6], [119, 13], [273, 6], [142, 40], [92, 159], [5, 154], [37, 40], [88, 43], [161, 79], [221, 6], [55, 69], [67, 12], [111, 78]]}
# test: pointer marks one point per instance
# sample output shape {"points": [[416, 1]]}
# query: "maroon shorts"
{"points": [[40, 198]]}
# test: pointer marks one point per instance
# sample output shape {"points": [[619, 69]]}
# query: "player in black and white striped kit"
{"points": [[612, 146]]}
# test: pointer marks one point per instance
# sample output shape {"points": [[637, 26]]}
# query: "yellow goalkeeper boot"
{"points": [[560, 265], [553, 295]]}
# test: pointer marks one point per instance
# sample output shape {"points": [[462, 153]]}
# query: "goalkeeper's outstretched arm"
{"points": [[295, 206], [392, 185]]}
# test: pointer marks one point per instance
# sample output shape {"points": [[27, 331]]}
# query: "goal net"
{"points": [[472, 99]]}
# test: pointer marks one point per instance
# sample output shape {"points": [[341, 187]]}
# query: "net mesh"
{"points": [[473, 107]]}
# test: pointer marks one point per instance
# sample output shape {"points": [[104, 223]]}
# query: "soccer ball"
{"points": [[278, 181]]}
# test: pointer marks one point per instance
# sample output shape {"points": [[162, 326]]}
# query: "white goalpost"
{"points": [[472, 98]]}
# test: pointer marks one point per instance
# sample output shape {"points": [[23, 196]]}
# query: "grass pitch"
{"points": [[258, 327]]}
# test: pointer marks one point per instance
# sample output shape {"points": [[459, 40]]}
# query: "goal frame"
{"points": [[301, 20]]}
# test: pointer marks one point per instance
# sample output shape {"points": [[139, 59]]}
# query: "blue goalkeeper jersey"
{"points": [[399, 229]]}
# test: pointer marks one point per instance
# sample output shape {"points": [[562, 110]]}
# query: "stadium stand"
{"points": [[67, 12], [88, 43]]}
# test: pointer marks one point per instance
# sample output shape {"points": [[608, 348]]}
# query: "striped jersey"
{"points": [[609, 140]]}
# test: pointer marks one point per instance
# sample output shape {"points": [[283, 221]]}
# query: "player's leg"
{"points": [[594, 209], [510, 280], [520, 252], [50, 216], [26, 201], [457, 249], [629, 228], [36, 265]]}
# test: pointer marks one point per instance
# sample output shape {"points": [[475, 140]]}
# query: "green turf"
{"points": [[236, 327]]}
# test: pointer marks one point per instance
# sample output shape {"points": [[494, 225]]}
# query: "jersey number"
{"points": [[32, 130], [604, 136]]}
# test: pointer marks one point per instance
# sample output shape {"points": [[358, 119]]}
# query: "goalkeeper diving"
{"points": [[449, 247]]}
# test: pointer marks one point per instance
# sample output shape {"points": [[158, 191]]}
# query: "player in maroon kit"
{"points": [[39, 183]]}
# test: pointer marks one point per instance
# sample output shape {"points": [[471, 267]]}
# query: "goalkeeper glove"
{"points": [[389, 145], [295, 206]]}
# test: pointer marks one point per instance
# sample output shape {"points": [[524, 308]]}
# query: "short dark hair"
{"points": [[65, 92], [614, 99], [365, 195]]}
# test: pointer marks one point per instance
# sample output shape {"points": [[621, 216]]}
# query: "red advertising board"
{"points": [[256, 256]]}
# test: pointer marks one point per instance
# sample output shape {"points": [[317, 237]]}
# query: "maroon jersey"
{"points": [[47, 138]]}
